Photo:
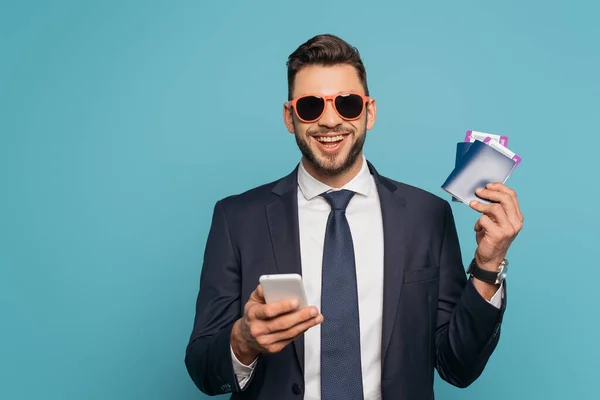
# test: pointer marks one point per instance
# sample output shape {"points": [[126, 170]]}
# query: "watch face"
{"points": [[503, 272]]}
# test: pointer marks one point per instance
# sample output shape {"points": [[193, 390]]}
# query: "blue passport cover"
{"points": [[461, 149], [480, 165]]}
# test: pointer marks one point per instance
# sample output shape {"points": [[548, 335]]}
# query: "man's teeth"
{"points": [[325, 139]]}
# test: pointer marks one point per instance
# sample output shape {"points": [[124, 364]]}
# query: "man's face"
{"points": [[331, 145]]}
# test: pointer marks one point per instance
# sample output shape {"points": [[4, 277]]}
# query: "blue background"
{"points": [[122, 122]]}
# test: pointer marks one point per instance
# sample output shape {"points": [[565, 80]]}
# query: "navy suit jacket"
{"points": [[433, 318]]}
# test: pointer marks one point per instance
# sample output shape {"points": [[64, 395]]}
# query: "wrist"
{"points": [[487, 277], [488, 265], [242, 350]]}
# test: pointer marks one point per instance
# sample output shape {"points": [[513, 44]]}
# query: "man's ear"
{"points": [[371, 113], [288, 118]]}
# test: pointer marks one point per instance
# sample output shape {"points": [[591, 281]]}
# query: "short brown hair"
{"points": [[325, 50]]}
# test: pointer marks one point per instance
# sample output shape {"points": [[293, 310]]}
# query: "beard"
{"points": [[332, 165]]}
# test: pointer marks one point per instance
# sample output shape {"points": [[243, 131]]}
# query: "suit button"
{"points": [[296, 389]]}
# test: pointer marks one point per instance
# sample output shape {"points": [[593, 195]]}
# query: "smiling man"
{"points": [[380, 261], [330, 138]]}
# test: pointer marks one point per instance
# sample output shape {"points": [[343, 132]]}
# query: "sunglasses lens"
{"points": [[309, 108], [349, 105]]}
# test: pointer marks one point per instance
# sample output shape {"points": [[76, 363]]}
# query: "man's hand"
{"points": [[268, 328], [499, 225]]}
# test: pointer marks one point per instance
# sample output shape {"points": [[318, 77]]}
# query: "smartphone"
{"points": [[278, 287]]}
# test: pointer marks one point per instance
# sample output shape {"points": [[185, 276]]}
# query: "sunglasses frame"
{"points": [[332, 97]]}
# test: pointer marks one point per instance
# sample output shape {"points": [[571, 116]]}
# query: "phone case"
{"points": [[280, 287]]}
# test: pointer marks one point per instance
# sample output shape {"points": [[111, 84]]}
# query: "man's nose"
{"points": [[329, 118]]}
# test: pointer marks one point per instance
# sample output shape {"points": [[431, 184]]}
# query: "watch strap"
{"points": [[482, 274]]}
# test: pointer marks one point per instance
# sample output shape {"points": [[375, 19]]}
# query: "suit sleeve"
{"points": [[208, 353], [468, 326]]}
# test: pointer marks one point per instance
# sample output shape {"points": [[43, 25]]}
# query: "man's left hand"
{"points": [[499, 225]]}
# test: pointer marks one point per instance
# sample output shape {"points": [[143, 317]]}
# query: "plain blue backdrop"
{"points": [[122, 122]]}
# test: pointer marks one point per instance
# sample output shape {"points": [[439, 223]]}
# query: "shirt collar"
{"points": [[311, 187]]}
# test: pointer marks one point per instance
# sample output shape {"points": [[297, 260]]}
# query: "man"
{"points": [[380, 261]]}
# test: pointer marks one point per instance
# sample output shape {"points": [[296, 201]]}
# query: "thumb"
{"points": [[258, 296]]}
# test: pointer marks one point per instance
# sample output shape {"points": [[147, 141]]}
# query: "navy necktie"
{"points": [[341, 374]]}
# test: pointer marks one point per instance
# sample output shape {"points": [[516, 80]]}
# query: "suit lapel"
{"points": [[395, 237], [282, 217]]}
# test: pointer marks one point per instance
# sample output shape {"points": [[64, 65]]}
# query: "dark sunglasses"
{"points": [[309, 108]]}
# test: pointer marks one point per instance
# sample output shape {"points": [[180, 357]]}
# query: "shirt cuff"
{"points": [[496, 299], [243, 372]]}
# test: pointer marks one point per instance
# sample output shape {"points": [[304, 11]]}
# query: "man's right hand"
{"points": [[268, 328]]}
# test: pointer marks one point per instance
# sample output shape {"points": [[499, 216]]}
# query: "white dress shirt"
{"points": [[364, 217]]}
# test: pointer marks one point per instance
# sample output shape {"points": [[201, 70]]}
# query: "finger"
{"points": [[290, 334], [478, 226], [503, 188], [495, 211], [258, 295], [505, 200], [287, 321], [486, 224], [275, 347], [272, 310]]}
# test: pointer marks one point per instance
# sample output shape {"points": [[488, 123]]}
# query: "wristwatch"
{"points": [[493, 277]]}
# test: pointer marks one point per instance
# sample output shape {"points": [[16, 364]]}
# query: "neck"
{"points": [[335, 181]]}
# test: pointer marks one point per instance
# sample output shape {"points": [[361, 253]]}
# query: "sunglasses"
{"points": [[349, 106]]}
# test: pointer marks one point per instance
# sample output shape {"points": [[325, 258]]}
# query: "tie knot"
{"points": [[338, 199]]}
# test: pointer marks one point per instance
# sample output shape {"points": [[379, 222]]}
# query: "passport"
{"points": [[461, 149], [479, 165]]}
